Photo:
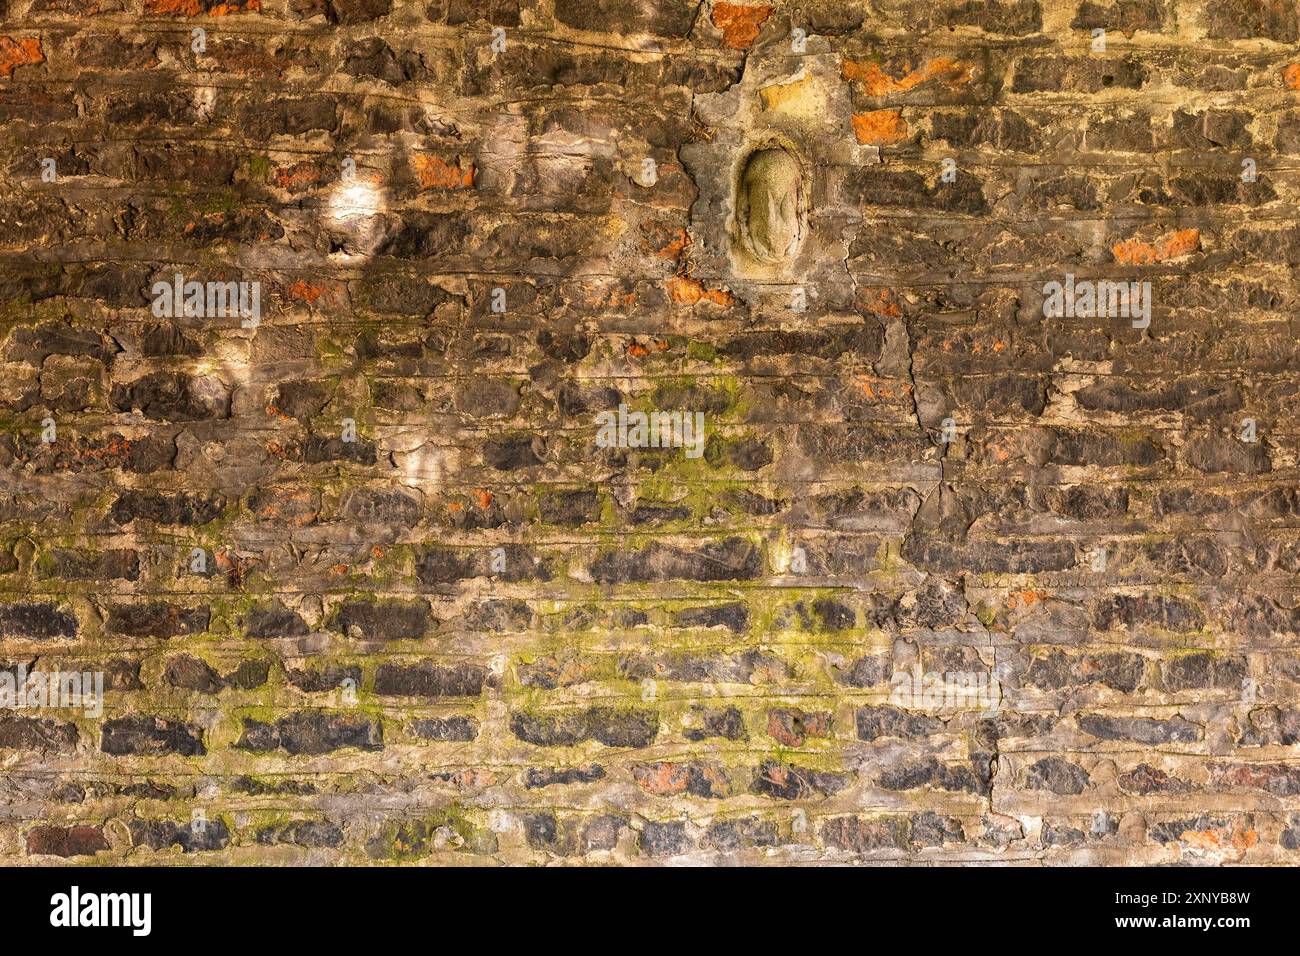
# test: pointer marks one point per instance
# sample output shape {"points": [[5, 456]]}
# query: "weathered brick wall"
{"points": [[473, 634]]}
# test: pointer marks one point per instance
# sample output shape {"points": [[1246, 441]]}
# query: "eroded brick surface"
{"points": [[365, 587]]}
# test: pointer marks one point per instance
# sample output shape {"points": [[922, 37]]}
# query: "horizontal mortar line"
{"points": [[1266, 804], [1014, 281], [893, 528], [1160, 87], [772, 583], [38, 486], [531, 532], [557, 534], [1123, 211], [865, 583], [334, 272], [931, 364], [1044, 702], [754, 705], [1162, 310], [668, 643], [929, 367], [435, 707], [703, 370], [891, 523], [680, 639], [672, 639], [472, 477], [1172, 216], [30, 185], [891, 535], [866, 213], [409, 268], [737, 588], [181, 544], [1159, 109], [842, 371], [245, 25], [357, 87], [1177, 214], [1165, 317], [1075, 42], [868, 472], [910, 158], [1166, 161], [247, 427], [452, 656], [468, 435], [629, 689]]}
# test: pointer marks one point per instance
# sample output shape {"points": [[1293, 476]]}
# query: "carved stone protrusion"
{"points": [[779, 182], [771, 206]]}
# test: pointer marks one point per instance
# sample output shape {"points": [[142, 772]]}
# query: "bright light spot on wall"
{"points": [[353, 215], [357, 199]]}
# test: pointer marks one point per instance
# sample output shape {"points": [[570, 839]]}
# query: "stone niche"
{"points": [[771, 206], [771, 213]]}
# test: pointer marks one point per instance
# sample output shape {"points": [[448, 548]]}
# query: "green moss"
{"points": [[226, 201], [259, 167], [702, 352], [228, 611], [410, 839], [335, 355], [19, 310]]}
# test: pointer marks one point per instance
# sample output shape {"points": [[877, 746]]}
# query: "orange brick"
{"points": [[739, 24], [306, 292], [662, 779], [436, 173], [637, 350], [880, 127], [1237, 838], [676, 247], [688, 291], [877, 301], [299, 175], [16, 53], [876, 82], [1172, 245], [194, 8]]}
